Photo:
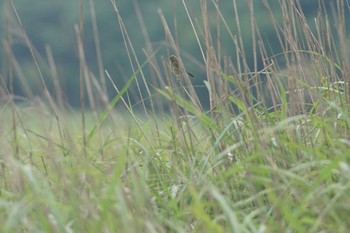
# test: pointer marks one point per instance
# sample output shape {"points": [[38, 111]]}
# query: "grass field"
{"points": [[270, 154]]}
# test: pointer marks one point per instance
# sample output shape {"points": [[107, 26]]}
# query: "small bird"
{"points": [[175, 68]]}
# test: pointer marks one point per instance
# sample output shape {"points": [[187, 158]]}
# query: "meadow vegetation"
{"points": [[269, 153]]}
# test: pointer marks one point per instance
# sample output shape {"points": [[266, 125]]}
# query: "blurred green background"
{"points": [[51, 23]]}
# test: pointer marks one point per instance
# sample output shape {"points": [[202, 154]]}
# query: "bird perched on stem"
{"points": [[176, 69]]}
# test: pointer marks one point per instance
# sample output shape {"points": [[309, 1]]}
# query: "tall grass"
{"points": [[270, 153]]}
